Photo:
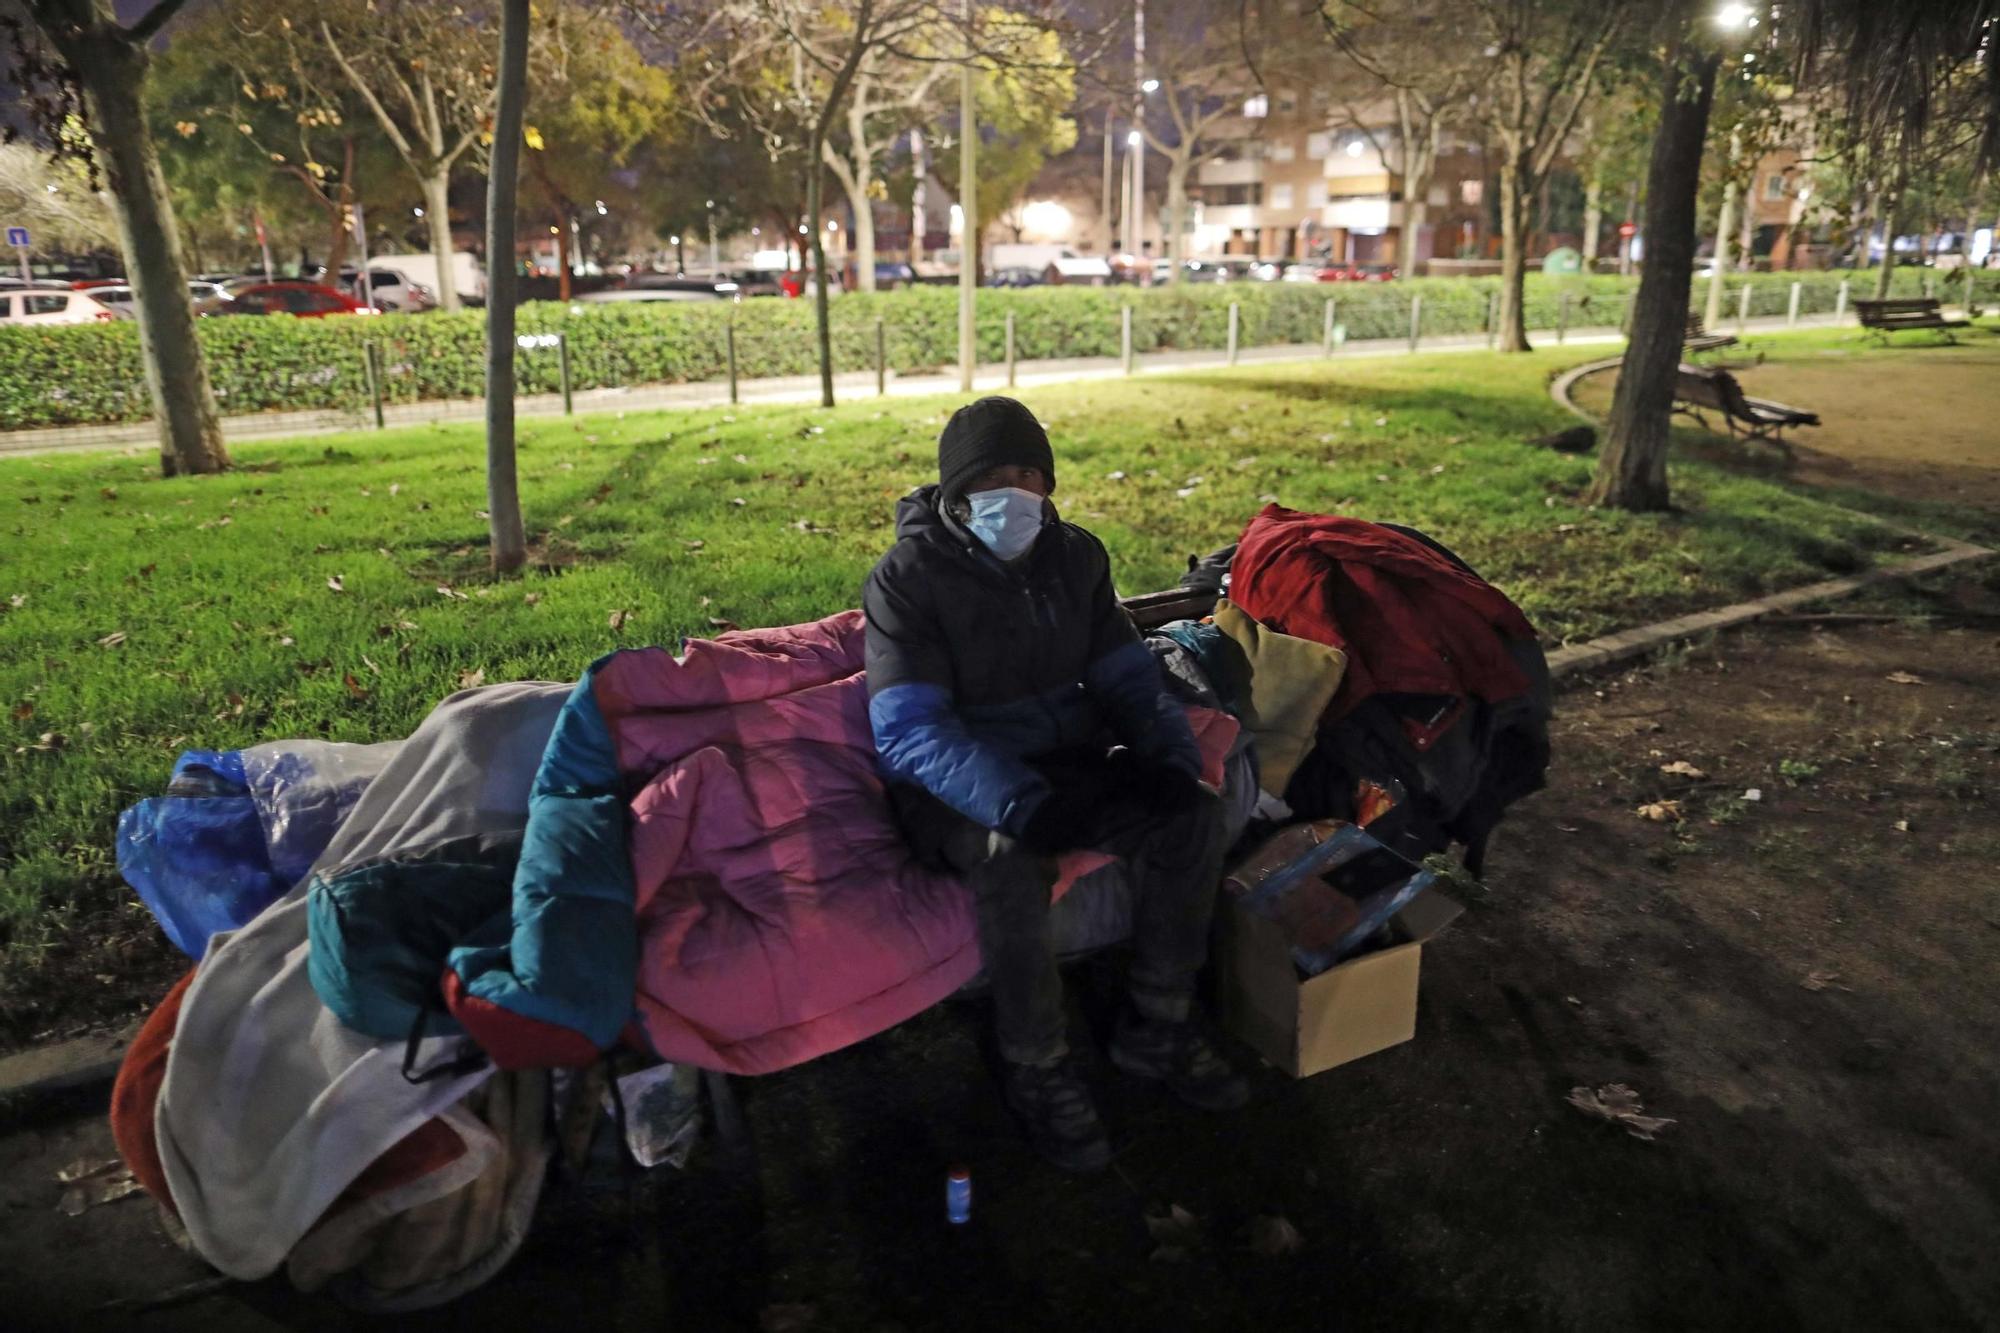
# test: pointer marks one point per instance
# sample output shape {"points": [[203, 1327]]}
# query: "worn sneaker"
{"points": [[1177, 1055], [1056, 1109]]}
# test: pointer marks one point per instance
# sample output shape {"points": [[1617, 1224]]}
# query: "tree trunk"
{"points": [[436, 189], [863, 232], [112, 73], [503, 494], [563, 260], [822, 329], [1593, 219], [1513, 259], [1892, 220], [1177, 174], [1632, 466], [1718, 271], [1416, 208]]}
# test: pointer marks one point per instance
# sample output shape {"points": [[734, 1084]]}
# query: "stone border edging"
{"points": [[1574, 658]]}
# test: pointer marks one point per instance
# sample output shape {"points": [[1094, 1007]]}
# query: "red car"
{"points": [[306, 300]]}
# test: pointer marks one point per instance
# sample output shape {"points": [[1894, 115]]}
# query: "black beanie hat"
{"points": [[986, 434]]}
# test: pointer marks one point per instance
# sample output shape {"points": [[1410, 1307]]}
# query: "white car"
{"points": [[50, 305]]}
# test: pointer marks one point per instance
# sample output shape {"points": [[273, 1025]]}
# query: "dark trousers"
{"points": [[1174, 860]]}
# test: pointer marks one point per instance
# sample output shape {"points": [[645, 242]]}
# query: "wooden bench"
{"points": [[1883, 318], [1698, 339], [1717, 390]]}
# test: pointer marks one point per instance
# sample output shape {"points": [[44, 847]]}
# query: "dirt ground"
{"points": [[1937, 445], [1802, 982]]}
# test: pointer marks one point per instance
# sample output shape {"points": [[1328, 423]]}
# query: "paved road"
{"points": [[782, 389]]}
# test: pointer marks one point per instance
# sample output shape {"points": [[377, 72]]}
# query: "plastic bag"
{"points": [[237, 829]]}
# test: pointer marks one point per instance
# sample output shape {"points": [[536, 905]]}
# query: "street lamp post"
{"points": [[680, 262], [714, 264], [1139, 141]]}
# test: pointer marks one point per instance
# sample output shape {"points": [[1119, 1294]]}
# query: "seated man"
{"points": [[1018, 715]]}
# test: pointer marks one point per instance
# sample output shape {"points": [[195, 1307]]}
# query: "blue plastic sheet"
{"points": [[237, 829]]}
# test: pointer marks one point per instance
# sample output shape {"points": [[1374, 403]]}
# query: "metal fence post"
{"points": [[731, 340], [562, 368], [1416, 319], [1562, 317], [1125, 337], [1930, 286], [881, 360], [1326, 337], [1840, 302], [1235, 315], [1010, 349], [1493, 320], [1792, 313], [371, 369], [1742, 310]]}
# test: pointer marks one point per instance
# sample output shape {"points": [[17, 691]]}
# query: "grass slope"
{"points": [[335, 587]]}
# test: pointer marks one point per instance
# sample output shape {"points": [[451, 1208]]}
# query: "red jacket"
{"points": [[1410, 620]]}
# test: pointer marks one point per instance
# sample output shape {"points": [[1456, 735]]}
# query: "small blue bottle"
{"points": [[958, 1196]]}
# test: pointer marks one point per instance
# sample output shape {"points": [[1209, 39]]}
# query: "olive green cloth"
{"points": [[1290, 683]]}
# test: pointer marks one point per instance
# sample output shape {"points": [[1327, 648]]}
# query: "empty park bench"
{"points": [[1717, 390], [1883, 318], [1698, 339]]}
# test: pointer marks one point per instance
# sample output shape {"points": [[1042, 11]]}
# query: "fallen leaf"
{"points": [[23, 711], [531, 598], [1660, 812], [353, 686], [1905, 678], [1683, 769], [1902, 826], [695, 545], [1823, 981], [18, 600], [738, 501], [1566, 828], [446, 590], [1274, 1236], [395, 487], [471, 679], [1753, 794], [112, 640], [333, 582], [618, 619], [722, 625], [1177, 1231], [108, 492], [1620, 1105], [1114, 476], [93, 1183]]}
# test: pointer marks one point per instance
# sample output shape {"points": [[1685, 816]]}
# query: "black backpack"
{"points": [[1366, 768]]}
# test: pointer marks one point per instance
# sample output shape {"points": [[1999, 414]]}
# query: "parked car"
{"points": [[1192, 270], [122, 301], [51, 305], [803, 282], [467, 275], [306, 300], [680, 289], [90, 284], [890, 275], [1014, 277], [1312, 270], [14, 282]]}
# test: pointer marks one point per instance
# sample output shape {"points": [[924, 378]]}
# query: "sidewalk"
{"points": [[791, 389]]}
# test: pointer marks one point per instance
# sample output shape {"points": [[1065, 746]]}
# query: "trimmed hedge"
{"points": [[60, 375]]}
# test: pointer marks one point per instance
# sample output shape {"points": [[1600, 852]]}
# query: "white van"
{"points": [[469, 277]]}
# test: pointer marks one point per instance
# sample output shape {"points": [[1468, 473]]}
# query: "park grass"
{"points": [[140, 615]]}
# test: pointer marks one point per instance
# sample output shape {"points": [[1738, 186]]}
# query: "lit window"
{"points": [[1319, 146], [1471, 192], [1281, 151], [1281, 196], [1316, 194], [1774, 187], [1256, 108]]}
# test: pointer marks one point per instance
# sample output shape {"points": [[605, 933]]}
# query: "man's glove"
{"points": [[1064, 821], [1155, 785]]}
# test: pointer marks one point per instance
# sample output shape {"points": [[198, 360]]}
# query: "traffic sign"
{"points": [[17, 237], [1628, 229]]}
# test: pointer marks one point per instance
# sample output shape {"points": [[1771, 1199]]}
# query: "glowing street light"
{"points": [[1135, 138], [673, 240], [1150, 86], [831, 225], [601, 209], [1354, 148], [418, 211], [1734, 16]]}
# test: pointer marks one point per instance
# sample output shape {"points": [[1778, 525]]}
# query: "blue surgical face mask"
{"points": [[1007, 520]]}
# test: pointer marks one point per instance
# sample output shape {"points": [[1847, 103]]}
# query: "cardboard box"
{"points": [[1304, 1025]]}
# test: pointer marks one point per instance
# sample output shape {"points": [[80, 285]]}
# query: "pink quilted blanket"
{"points": [[780, 915]]}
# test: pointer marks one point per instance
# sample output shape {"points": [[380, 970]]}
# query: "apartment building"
{"points": [[1294, 184]]}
